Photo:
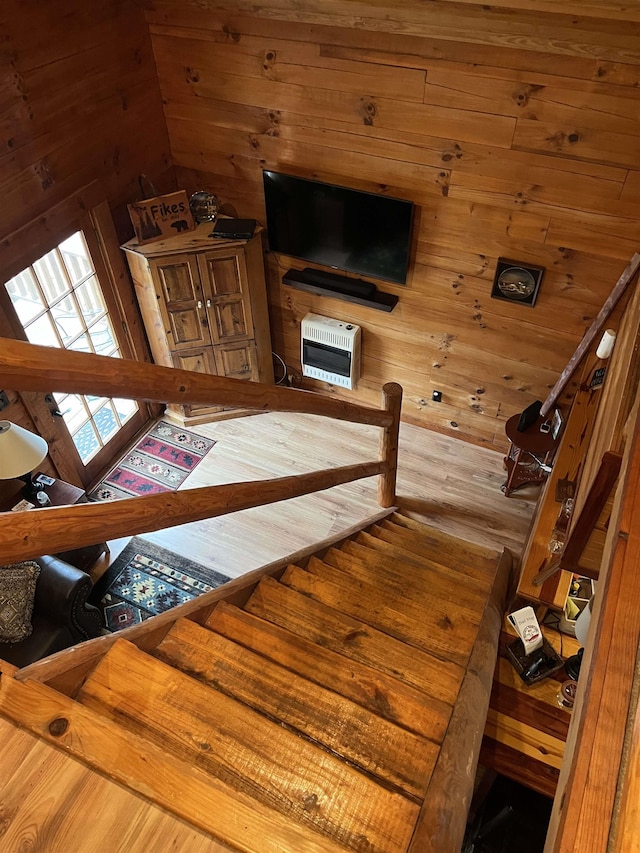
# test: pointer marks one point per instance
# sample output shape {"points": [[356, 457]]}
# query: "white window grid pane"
{"points": [[76, 258], [26, 296], [90, 301], [65, 279], [52, 276], [103, 338], [43, 331], [67, 319]]}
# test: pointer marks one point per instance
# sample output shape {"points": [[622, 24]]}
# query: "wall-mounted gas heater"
{"points": [[330, 350]]}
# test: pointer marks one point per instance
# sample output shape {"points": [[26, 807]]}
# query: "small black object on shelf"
{"points": [[529, 416], [340, 287], [572, 665], [234, 229]]}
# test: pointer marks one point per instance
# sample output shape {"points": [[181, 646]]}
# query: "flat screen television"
{"points": [[338, 227]]}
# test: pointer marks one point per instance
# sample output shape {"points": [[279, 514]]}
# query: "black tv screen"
{"points": [[338, 227]]}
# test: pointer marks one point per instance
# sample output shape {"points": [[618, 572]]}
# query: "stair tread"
{"points": [[248, 752], [398, 546], [420, 585], [383, 555], [377, 591], [369, 741], [377, 691], [142, 765], [439, 628], [438, 540], [353, 638]]}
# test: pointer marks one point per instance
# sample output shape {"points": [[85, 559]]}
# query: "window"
{"points": [[59, 303]]}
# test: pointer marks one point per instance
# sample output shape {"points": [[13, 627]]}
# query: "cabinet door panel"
{"points": [[225, 273], [201, 360], [181, 302], [237, 361], [228, 299], [228, 321]]}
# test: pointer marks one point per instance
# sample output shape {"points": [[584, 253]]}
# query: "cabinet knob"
{"points": [[245, 368], [199, 303], [208, 303]]}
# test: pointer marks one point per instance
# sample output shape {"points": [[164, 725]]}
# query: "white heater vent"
{"points": [[330, 350]]}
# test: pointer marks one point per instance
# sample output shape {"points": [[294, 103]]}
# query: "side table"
{"points": [[62, 493], [529, 453]]}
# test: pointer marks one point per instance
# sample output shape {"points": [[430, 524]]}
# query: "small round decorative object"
{"points": [[516, 283], [204, 206], [567, 694]]}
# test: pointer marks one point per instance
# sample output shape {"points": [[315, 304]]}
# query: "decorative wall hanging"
{"points": [[517, 282]]}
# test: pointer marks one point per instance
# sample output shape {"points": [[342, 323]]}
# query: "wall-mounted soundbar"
{"points": [[340, 287]]}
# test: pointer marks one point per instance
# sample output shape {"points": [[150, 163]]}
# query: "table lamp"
{"points": [[20, 452]]}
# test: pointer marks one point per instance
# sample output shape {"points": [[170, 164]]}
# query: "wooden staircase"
{"points": [[338, 706]]}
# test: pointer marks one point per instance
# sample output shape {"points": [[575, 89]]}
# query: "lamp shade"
{"points": [[582, 623], [20, 450]]}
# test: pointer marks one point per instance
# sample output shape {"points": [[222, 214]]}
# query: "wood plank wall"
{"points": [[515, 130], [80, 103]]}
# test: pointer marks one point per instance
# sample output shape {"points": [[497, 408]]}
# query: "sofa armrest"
{"points": [[61, 592]]}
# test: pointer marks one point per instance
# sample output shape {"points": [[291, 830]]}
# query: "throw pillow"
{"points": [[17, 593]]}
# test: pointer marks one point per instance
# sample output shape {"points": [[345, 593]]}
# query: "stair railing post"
{"points": [[392, 403]]}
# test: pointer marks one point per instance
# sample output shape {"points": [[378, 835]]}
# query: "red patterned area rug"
{"points": [[159, 462]]}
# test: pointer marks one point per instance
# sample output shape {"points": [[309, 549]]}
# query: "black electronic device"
{"points": [[234, 229], [340, 287], [332, 281], [529, 416], [338, 227]]}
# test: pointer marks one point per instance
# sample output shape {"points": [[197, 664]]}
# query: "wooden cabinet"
{"points": [[204, 305]]}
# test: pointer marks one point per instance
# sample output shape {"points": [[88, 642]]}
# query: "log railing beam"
{"points": [[27, 367], [391, 403], [26, 535]]}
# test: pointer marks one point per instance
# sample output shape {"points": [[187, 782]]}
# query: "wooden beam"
{"points": [[596, 501], [27, 367], [584, 526], [54, 529], [392, 403], [454, 774]]}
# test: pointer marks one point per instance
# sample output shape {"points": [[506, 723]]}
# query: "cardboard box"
{"points": [[161, 217]]}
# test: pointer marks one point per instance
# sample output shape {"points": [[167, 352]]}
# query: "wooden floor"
{"points": [[442, 481], [447, 483]]}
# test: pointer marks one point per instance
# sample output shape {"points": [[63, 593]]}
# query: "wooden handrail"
{"points": [[629, 274], [26, 535], [27, 367]]}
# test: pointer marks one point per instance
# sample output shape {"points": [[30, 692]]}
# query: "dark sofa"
{"points": [[61, 616]]}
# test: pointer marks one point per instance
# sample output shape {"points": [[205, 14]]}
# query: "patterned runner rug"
{"points": [[159, 462], [146, 580]]}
